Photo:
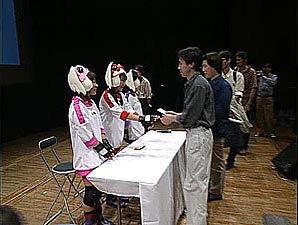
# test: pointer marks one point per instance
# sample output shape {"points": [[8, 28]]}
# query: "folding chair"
{"points": [[58, 168]]}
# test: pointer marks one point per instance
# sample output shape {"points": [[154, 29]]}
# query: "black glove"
{"points": [[147, 120], [104, 149]]}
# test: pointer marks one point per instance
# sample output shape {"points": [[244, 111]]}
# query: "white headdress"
{"points": [[129, 81], [112, 74], [78, 80]]}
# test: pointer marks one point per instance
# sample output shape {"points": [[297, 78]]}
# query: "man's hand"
{"points": [[247, 108], [168, 119], [237, 98]]}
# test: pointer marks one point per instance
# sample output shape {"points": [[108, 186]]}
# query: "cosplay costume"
{"points": [[84, 122], [114, 110], [114, 107], [135, 128], [85, 131]]}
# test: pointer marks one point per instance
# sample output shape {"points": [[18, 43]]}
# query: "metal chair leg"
{"points": [[65, 199], [47, 221], [119, 210]]}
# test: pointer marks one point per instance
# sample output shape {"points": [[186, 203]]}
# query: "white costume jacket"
{"points": [[85, 130], [113, 115], [135, 128]]}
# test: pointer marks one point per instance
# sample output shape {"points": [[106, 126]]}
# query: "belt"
{"points": [[206, 127]]}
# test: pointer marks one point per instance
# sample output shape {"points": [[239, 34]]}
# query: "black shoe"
{"points": [[184, 212], [242, 152], [106, 222], [212, 197], [229, 166], [114, 203], [259, 134]]}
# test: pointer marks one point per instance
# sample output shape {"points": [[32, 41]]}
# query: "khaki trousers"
{"points": [[265, 114], [198, 149], [218, 170]]}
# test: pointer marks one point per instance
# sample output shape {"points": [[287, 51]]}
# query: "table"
{"points": [[154, 174]]}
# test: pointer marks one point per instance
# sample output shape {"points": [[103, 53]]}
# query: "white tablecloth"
{"points": [[154, 174]]}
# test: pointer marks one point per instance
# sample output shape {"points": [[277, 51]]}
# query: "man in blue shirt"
{"points": [[222, 91], [264, 102]]}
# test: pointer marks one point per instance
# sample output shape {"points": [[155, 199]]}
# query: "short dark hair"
{"points": [[268, 65], [241, 54], [214, 60], [91, 76], [225, 54], [134, 74], [140, 68], [190, 55]]}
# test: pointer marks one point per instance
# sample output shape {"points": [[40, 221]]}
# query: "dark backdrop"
{"points": [[53, 35]]}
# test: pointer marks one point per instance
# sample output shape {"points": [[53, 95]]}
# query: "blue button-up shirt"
{"points": [[222, 91], [266, 84]]}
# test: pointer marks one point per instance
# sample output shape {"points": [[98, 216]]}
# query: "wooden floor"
{"points": [[252, 189]]}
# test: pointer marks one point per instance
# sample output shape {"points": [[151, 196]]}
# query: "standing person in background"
{"points": [[236, 81], [143, 89], [197, 117], [212, 68], [133, 128], [265, 102], [250, 90], [86, 133]]}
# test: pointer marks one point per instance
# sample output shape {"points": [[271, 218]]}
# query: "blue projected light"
{"points": [[9, 54]]}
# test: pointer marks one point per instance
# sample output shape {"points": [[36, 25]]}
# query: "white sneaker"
{"points": [[272, 136], [259, 134]]}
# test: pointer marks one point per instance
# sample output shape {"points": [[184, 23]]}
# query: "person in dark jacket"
{"points": [[222, 91]]}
